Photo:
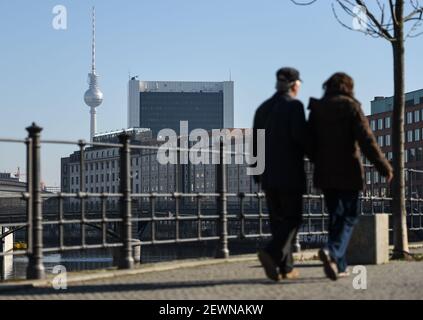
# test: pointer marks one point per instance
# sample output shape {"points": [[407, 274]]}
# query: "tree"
{"points": [[389, 24]]}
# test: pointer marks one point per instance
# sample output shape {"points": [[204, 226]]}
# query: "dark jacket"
{"points": [[338, 129], [283, 119]]}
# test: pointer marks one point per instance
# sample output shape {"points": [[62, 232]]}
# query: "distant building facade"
{"points": [[163, 104], [381, 123], [102, 169], [10, 184]]}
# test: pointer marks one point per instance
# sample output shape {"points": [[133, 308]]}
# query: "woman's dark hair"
{"points": [[339, 83]]}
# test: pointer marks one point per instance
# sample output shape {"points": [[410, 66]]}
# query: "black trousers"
{"points": [[285, 211]]}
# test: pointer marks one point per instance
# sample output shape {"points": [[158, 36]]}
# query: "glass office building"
{"points": [[163, 104]]}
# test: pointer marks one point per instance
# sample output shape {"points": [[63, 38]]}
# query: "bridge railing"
{"points": [[220, 223]]}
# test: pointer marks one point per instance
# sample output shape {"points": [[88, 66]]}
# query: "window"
{"points": [[376, 177], [380, 141], [389, 156], [409, 117], [380, 124], [409, 136], [368, 178], [388, 140], [412, 155], [419, 154], [383, 190], [373, 125], [387, 122], [409, 103], [417, 135], [417, 116]]}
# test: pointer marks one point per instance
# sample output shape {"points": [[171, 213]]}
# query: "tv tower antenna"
{"points": [[93, 96]]}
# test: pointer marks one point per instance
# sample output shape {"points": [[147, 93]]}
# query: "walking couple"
{"points": [[336, 131]]}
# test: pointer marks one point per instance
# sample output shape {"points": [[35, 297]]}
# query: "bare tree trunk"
{"points": [[399, 209]]}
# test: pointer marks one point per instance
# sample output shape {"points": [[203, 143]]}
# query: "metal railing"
{"points": [[220, 224]]}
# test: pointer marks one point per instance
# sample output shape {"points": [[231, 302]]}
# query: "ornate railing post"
{"points": [[223, 251], [126, 260], [35, 269]]}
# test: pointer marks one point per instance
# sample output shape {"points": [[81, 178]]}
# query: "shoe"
{"points": [[294, 274], [269, 266], [329, 267], [344, 274]]}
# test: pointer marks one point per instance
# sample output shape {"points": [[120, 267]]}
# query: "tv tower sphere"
{"points": [[93, 97]]}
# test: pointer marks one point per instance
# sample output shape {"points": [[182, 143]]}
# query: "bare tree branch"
{"points": [[303, 3], [372, 26]]}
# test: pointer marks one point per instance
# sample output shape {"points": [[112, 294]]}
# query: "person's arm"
{"points": [[367, 142], [311, 145], [299, 125], [257, 124]]}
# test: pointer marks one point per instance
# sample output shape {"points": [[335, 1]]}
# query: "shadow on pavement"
{"points": [[104, 288]]}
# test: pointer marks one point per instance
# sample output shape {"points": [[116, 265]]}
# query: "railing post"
{"points": [[126, 260], [35, 269], [29, 194], [223, 251], [81, 144]]}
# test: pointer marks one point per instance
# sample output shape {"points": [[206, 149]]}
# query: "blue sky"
{"points": [[44, 71]]}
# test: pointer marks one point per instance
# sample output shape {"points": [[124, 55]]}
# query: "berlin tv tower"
{"points": [[93, 96]]}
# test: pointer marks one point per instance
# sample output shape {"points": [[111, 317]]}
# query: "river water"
{"points": [[15, 268]]}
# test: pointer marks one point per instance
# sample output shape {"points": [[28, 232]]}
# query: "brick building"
{"points": [[381, 123]]}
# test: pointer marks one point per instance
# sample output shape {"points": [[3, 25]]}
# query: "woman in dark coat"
{"points": [[338, 130]]}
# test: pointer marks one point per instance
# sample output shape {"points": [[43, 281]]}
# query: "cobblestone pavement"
{"points": [[396, 280]]}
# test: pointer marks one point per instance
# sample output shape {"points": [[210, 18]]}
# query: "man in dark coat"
{"points": [[283, 180], [338, 129]]}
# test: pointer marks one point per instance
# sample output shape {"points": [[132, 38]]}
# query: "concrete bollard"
{"points": [[370, 241]]}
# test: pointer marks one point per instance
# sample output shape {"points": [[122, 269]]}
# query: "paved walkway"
{"points": [[240, 280]]}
